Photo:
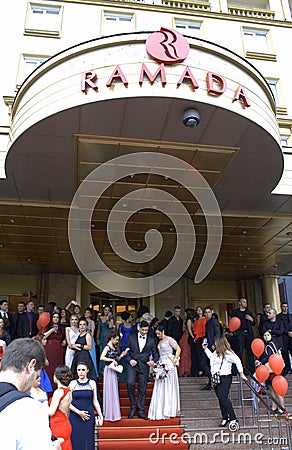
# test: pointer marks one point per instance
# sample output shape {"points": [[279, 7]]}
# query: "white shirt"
{"points": [[24, 425], [141, 341], [229, 359]]}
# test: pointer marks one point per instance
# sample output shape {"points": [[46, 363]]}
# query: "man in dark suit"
{"points": [[4, 313], [244, 334], [141, 346], [286, 318], [26, 324], [15, 318], [212, 331], [164, 322], [175, 325], [275, 325]]}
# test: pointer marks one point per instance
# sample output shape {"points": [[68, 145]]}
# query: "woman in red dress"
{"points": [[59, 406], [55, 348]]}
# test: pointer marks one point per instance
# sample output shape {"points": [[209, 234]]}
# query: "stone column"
{"points": [[270, 291]]}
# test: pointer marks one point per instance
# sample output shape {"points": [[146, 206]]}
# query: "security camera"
{"points": [[191, 118]]}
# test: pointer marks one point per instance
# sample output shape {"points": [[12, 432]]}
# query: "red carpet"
{"points": [[138, 433]]}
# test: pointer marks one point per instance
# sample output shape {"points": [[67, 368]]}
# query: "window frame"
{"points": [[117, 14], [30, 27], [265, 52], [186, 31], [22, 73]]}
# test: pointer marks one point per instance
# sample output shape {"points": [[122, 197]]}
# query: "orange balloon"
{"points": [[276, 363], [262, 373], [234, 324], [44, 319], [257, 347], [280, 385]]}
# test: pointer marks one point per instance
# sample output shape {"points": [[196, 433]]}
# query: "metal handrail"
{"points": [[265, 391]]}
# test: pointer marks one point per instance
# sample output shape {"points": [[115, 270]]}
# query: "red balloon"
{"points": [[262, 373], [257, 347], [280, 385], [234, 324], [276, 363], [44, 320]]}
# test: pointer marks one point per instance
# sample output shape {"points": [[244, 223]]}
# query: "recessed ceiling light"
{"points": [[289, 233], [244, 232], [240, 255], [12, 220], [29, 260], [248, 248], [1, 245]]}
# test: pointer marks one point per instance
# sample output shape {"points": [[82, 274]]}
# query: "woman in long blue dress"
{"points": [[91, 328], [84, 402], [106, 323]]}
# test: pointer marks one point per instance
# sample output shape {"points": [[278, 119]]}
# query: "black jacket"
{"points": [[245, 324], [22, 328], [142, 358], [212, 330], [175, 328], [277, 330]]}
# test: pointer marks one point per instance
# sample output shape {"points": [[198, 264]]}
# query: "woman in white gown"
{"points": [[72, 334], [165, 400]]}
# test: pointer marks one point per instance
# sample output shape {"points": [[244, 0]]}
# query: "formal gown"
{"points": [[60, 424], [82, 436], [165, 400], [55, 353], [104, 331], [69, 355], [125, 332], [83, 356], [111, 401], [92, 351]]}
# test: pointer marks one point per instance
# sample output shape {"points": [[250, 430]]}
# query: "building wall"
{"points": [[83, 21]]}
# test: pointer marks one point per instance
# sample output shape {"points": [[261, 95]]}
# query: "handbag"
{"points": [[119, 368], [215, 377], [274, 350]]}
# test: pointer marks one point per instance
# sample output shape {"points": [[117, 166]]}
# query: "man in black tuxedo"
{"points": [[140, 346]]}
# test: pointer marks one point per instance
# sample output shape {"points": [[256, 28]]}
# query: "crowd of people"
{"points": [[80, 348]]}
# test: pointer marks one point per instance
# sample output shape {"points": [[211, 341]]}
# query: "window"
{"points": [[117, 23], [28, 64], [43, 20], [256, 40], [285, 141], [274, 89], [188, 27]]}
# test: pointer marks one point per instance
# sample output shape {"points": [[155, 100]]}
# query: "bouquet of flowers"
{"points": [[160, 370]]}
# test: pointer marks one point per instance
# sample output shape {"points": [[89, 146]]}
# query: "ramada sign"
{"points": [[166, 47]]}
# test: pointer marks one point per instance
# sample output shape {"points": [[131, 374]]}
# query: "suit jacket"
{"points": [[175, 328], [212, 330], [287, 323], [22, 328], [141, 357]]}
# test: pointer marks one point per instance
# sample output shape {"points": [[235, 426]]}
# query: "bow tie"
{"points": [[142, 337]]}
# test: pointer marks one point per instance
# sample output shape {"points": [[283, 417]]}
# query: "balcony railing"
{"points": [[187, 4], [251, 13]]}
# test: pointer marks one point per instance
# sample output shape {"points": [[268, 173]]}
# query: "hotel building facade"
{"points": [[99, 98]]}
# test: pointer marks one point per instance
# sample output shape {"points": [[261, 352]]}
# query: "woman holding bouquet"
{"points": [[165, 401]]}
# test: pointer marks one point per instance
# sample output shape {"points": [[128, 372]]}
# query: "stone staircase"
{"points": [[200, 416]]}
